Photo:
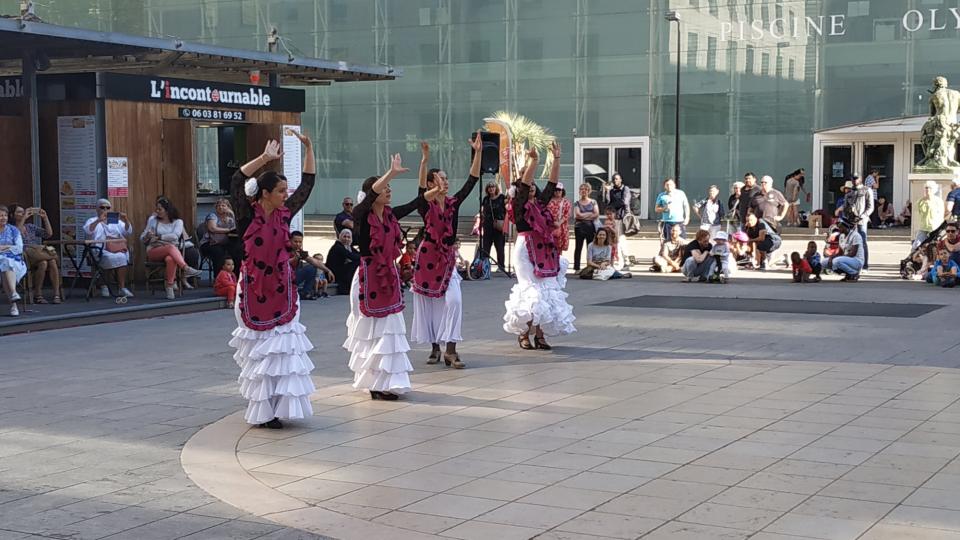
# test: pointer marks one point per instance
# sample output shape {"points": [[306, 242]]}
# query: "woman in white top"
{"points": [[163, 236], [115, 255]]}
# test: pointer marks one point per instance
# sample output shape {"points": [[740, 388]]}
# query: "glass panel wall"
{"points": [[758, 77]]}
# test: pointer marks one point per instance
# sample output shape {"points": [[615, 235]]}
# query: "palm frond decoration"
{"points": [[527, 134]]}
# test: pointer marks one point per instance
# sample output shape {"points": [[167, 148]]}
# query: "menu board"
{"points": [[292, 155], [77, 158], [118, 181]]}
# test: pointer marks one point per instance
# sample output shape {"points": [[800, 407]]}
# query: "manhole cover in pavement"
{"points": [[764, 305]]}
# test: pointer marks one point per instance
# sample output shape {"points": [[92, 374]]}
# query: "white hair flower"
{"points": [[361, 196], [250, 187]]}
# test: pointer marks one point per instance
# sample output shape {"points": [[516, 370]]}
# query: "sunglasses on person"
{"points": [[951, 231], [105, 207]]}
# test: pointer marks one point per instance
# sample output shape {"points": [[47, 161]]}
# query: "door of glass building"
{"points": [[880, 158], [598, 159], [837, 167]]}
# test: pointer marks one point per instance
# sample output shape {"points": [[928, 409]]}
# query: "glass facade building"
{"points": [[761, 80]]}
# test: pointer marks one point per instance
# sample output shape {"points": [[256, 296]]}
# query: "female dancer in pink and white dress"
{"points": [[537, 303], [437, 301], [271, 343], [376, 331]]}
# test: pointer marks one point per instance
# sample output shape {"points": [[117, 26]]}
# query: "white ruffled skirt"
{"points": [[274, 369], [438, 320], [378, 348], [540, 300]]}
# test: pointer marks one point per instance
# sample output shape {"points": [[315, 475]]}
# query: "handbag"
{"points": [[37, 254], [116, 245], [603, 274], [587, 273]]}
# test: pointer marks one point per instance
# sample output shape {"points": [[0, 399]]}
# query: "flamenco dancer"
{"points": [[537, 302], [376, 330], [437, 301], [271, 343]]}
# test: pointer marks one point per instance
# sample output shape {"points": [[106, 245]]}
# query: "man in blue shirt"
{"points": [[674, 209]]}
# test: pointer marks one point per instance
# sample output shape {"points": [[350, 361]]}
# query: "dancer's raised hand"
{"points": [[532, 153], [304, 138], [272, 150], [424, 150], [477, 142], [396, 165], [555, 149]]}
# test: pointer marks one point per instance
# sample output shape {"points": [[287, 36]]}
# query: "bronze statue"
{"points": [[941, 131]]}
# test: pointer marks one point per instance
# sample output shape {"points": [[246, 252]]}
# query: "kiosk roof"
{"points": [[76, 50]]}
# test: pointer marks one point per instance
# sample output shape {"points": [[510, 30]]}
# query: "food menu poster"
{"points": [[292, 154], [77, 157], [118, 181]]}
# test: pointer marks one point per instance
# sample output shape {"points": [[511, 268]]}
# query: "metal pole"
{"points": [[29, 68], [676, 136]]}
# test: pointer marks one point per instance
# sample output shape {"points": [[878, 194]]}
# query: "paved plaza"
{"points": [[650, 422]]}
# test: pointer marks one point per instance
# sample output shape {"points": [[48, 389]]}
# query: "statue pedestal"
{"points": [[917, 180]]}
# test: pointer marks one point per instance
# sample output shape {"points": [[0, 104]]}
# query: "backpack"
{"points": [[631, 225]]}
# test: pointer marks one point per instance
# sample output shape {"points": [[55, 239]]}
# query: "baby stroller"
{"points": [[922, 255]]}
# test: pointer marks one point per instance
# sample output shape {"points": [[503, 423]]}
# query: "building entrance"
{"points": [[597, 159]]}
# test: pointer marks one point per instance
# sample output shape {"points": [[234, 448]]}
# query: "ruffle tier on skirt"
{"points": [[438, 320], [378, 349], [274, 370], [540, 300]]}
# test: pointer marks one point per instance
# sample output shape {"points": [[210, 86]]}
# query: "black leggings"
{"points": [[494, 238], [583, 233]]}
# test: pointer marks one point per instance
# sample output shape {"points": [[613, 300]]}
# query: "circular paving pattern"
{"points": [[610, 449]]}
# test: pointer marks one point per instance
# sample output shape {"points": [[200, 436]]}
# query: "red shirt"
{"points": [[804, 266]]}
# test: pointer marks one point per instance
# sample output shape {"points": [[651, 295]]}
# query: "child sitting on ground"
{"points": [[721, 257], [944, 271], [813, 259], [407, 259], [226, 283], [801, 268], [324, 275]]}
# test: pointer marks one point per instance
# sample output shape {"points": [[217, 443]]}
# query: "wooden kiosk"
{"points": [[128, 117]]}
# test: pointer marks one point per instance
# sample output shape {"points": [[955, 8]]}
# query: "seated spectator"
{"points": [[697, 262], [343, 260], [344, 220], [762, 240], [41, 260], [884, 214], [407, 260], [165, 237], [226, 282], [12, 265], [851, 262], [599, 259], [722, 259], [739, 248], [112, 229], [904, 218], [219, 240], [670, 258], [813, 259], [305, 267], [951, 242], [324, 277], [802, 270], [944, 271]]}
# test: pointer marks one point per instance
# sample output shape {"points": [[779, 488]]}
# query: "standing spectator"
{"points": [[944, 271], [674, 209], [762, 240], [858, 206], [748, 193], [344, 220], [710, 211], [772, 205], [793, 187], [493, 215], [12, 265], [841, 202], [953, 200], [343, 260], [114, 255], [219, 239], [617, 196], [873, 181], [697, 263], [851, 262], [41, 260], [733, 201], [560, 208], [586, 214], [614, 238], [930, 212], [670, 258]]}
